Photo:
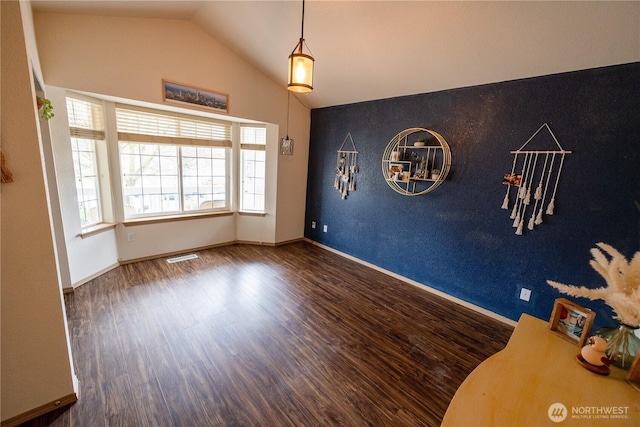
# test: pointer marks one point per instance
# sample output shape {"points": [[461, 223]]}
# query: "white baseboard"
{"points": [[88, 279], [422, 286]]}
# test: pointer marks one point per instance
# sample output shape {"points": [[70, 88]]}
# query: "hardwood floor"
{"points": [[266, 336]]}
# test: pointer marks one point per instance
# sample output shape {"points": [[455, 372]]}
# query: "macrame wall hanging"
{"points": [[346, 168], [539, 169]]}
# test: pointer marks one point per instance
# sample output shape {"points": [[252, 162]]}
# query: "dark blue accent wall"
{"points": [[457, 239]]}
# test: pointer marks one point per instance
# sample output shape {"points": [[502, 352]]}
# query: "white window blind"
{"points": [[253, 137], [143, 126], [86, 119]]}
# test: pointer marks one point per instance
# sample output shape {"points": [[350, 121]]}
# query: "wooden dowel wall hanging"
{"points": [[346, 168], [538, 168]]}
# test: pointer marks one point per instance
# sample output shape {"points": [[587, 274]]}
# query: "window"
{"points": [[172, 164], [253, 141], [149, 178], [86, 126], [204, 172]]}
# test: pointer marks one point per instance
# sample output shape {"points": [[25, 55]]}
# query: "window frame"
{"points": [[258, 143], [95, 133], [180, 142]]}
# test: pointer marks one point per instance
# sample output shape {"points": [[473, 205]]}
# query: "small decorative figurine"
{"points": [[593, 352], [593, 357]]}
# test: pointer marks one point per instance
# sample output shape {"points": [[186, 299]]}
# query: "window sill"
{"points": [[249, 213], [96, 229], [172, 218]]}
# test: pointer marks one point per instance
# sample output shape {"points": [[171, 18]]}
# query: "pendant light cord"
{"points": [[288, 98], [302, 33]]}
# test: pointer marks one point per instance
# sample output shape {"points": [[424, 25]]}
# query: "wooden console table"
{"points": [[518, 385]]}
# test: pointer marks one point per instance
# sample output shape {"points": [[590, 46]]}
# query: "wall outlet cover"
{"points": [[525, 294]]}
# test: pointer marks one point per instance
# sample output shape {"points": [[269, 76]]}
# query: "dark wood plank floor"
{"points": [[267, 336]]}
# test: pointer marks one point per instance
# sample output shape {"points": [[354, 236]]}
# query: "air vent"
{"points": [[182, 258]]}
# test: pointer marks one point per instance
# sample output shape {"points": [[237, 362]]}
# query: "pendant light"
{"points": [[301, 65]]}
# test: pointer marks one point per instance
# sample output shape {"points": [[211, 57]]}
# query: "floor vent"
{"points": [[182, 258]]}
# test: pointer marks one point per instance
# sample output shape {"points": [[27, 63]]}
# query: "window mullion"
{"points": [[97, 180], [180, 181]]}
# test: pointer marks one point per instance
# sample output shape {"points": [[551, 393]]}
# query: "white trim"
{"points": [[76, 385], [422, 286], [93, 276]]}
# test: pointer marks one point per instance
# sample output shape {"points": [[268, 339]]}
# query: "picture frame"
{"points": [[571, 321], [194, 97], [397, 172], [395, 169]]}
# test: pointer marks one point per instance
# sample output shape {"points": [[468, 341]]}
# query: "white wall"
{"points": [[36, 364], [127, 58], [177, 236], [292, 177], [86, 256]]}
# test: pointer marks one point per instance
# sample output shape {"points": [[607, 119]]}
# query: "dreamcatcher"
{"points": [[539, 169], [346, 168]]}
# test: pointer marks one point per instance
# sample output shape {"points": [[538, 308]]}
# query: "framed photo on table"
{"points": [[571, 321]]}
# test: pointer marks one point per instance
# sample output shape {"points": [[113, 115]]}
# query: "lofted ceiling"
{"points": [[367, 50]]}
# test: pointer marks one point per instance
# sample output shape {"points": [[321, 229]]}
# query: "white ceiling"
{"points": [[367, 50]]}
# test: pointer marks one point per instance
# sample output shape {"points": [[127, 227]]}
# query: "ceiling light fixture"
{"points": [[301, 66]]}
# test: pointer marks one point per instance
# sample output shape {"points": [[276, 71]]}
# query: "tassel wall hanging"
{"points": [[531, 173], [346, 168]]}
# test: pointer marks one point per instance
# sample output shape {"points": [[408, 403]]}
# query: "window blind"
{"points": [[253, 137], [143, 126], [86, 119]]}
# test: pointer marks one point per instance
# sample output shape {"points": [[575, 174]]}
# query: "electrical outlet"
{"points": [[324, 229], [131, 237], [525, 294], [313, 224]]}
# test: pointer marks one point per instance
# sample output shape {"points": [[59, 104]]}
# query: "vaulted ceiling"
{"points": [[367, 50]]}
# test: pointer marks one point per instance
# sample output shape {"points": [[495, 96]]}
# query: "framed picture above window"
{"points": [[191, 96]]}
